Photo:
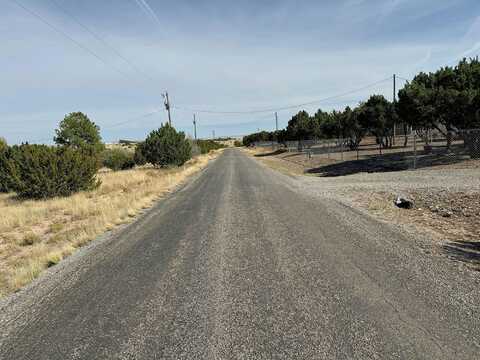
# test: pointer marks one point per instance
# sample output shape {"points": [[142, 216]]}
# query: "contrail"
{"points": [[148, 10]]}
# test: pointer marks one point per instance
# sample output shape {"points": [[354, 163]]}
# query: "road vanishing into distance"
{"points": [[245, 263]]}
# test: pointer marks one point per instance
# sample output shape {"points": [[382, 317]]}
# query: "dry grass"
{"points": [[127, 147], [228, 143], [35, 235]]}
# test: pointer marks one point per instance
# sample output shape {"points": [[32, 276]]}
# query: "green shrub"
{"points": [[41, 171], [4, 172], [118, 159], [237, 143], [166, 146], [208, 145], [139, 155], [8, 169]]}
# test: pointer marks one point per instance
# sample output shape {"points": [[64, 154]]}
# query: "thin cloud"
{"points": [[148, 10], [474, 29], [471, 51], [423, 62], [249, 56]]}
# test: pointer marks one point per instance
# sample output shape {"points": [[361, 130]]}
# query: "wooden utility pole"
{"points": [[195, 127], [276, 121], [394, 88], [394, 106], [167, 107]]}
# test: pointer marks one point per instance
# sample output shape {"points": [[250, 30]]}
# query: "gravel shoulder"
{"points": [[447, 202]]}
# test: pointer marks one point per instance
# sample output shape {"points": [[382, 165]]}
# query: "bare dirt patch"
{"points": [[450, 219], [276, 160], [387, 162]]}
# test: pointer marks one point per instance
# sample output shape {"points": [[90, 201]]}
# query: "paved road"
{"points": [[244, 263]]}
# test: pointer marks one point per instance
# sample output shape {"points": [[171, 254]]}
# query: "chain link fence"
{"points": [[273, 145], [472, 142], [436, 148], [416, 150]]}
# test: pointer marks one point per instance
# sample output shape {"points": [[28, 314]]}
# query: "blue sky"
{"points": [[214, 55]]}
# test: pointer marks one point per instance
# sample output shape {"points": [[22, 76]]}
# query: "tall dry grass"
{"points": [[37, 234]]}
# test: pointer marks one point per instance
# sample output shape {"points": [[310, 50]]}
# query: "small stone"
{"points": [[446, 214]]}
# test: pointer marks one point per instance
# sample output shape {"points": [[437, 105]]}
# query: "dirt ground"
{"points": [[446, 198], [450, 219]]}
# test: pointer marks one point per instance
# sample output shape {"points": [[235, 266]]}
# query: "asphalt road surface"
{"points": [[244, 263]]}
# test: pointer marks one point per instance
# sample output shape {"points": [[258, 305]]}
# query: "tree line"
{"points": [[447, 100], [41, 171]]}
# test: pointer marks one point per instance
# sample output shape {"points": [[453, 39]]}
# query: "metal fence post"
{"points": [[341, 147], [415, 150]]}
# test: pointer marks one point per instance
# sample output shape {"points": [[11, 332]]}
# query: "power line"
{"points": [[43, 140], [230, 124], [402, 78], [101, 39], [64, 34], [447, 64], [151, 113], [289, 107], [133, 119], [266, 118], [91, 52]]}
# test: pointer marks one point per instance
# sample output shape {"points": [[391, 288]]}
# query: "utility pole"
{"points": [[213, 133], [394, 88], [195, 127], [394, 106], [276, 127], [167, 106]]}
